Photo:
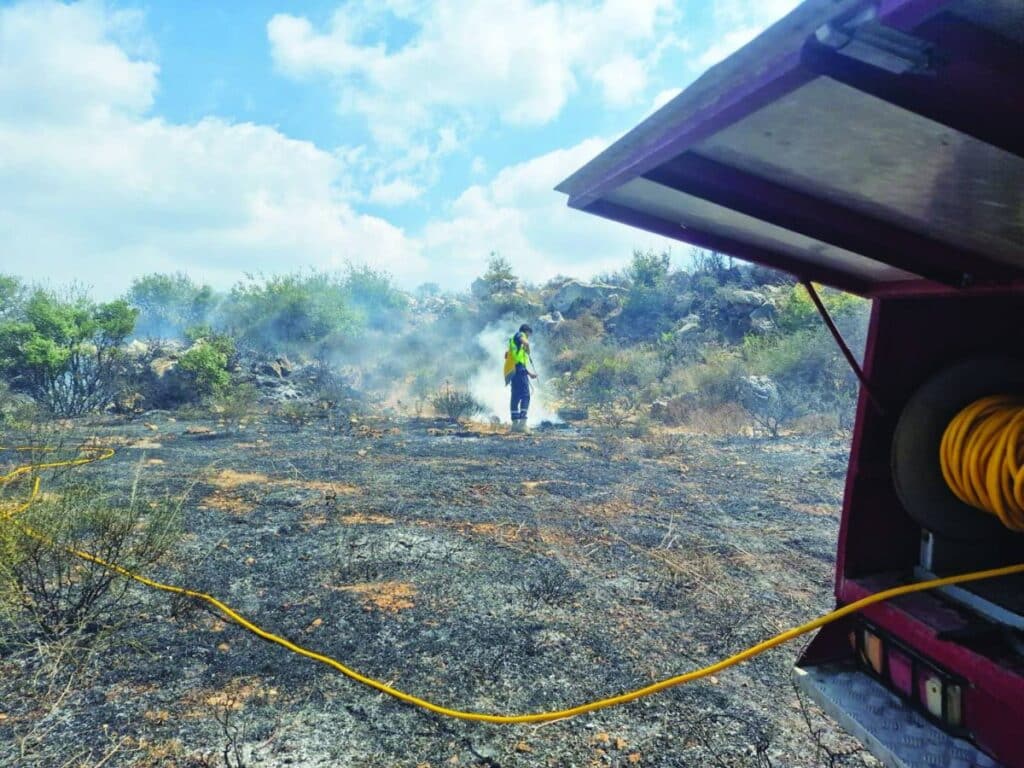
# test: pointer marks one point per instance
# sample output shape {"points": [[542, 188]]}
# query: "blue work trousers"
{"points": [[520, 393]]}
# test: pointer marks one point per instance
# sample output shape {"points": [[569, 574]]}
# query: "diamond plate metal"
{"points": [[888, 728]]}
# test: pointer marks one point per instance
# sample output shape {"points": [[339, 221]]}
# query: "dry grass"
{"points": [[231, 479], [360, 518], [223, 501], [386, 596]]}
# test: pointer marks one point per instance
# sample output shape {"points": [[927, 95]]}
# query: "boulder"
{"points": [[659, 410], [280, 367], [576, 295], [762, 319], [551, 320], [688, 326], [741, 300], [758, 393], [161, 367]]}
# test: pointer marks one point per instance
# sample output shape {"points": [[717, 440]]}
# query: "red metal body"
{"points": [[876, 146], [912, 336]]}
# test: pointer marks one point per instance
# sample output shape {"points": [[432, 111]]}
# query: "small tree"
{"points": [[66, 353], [499, 269], [297, 311]]}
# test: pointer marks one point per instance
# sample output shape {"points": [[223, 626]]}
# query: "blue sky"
{"points": [[220, 139]]}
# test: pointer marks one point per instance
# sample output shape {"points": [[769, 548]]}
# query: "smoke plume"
{"points": [[488, 386]]}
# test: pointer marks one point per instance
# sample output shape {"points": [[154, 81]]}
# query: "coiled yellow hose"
{"points": [[982, 457], [99, 454]]}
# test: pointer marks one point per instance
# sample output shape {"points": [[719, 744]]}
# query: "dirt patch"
{"points": [[387, 596], [229, 479], [224, 501], [360, 518], [233, 696]]}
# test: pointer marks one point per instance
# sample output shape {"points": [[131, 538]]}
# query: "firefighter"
{"points": [[517, 358]]}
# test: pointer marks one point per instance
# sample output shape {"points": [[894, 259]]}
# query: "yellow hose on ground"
{"points": [[982, 457], [536, 717]]}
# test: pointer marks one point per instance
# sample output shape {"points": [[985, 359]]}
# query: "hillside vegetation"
{"points": [[718, 347]]}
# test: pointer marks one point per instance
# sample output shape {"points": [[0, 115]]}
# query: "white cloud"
{"points": [[622, 80], [518, 60], [729, 43], [94, 188], [741, 21], [91, 188], [396, 192], [664, 97], [519, 214]]}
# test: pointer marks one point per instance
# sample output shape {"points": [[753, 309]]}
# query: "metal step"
{"points": [[892, 731]]}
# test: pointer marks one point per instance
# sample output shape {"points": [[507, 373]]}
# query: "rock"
{"points": [[551, 320], [136, 348], [762, 319], [739, 297], [162, 366], [281, 367], [758, 393], [576, 295], [688, 325]]}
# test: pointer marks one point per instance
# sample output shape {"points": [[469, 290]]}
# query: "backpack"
{"points": [[510, 366]]}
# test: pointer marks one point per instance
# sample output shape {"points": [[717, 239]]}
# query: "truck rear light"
{"points": [[931, 690], [901, 671]]}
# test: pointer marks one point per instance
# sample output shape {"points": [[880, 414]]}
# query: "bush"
{"points": [[295, 311], [16, 411], [372, 294], [207, 366], [456, 404], [44, 589], [613, 382], [169, 304], [235, 404], [649, 269], [714, 381], [66, 353]]}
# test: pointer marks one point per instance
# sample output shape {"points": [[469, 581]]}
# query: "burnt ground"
{"points": [[488, 572]]}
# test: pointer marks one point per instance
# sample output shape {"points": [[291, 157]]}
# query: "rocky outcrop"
{"points": [[576, 296]]}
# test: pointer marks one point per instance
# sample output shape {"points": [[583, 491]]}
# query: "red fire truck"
{"points": [[878, 147]]}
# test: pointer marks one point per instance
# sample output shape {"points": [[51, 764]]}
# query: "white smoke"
{"points": [[487, 385]]}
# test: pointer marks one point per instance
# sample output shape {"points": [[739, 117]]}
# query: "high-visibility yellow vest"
{"points": [[514, 355]]}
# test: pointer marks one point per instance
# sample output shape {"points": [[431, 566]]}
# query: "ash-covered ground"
{"points": [[482, 571]]}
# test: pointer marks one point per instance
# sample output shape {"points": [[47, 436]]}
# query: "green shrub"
{"points": [[456, 404], [65, 352], [292, 311], [649, 269], [207, 365], [235, 404], [44, 589], [373, 295], [169, 304]]}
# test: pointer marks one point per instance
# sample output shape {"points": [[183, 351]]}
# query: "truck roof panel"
{"points": [[863, 145]]}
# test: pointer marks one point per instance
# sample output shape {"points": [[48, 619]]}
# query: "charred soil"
{"points": [[477, 569]]}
